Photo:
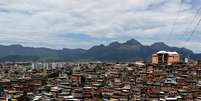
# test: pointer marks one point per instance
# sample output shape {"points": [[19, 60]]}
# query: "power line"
{"points": [[194, 17], [196, 26], [175, 20], [194, 30]]}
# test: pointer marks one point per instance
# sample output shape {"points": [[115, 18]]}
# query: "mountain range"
{"points": [[130, 50]]}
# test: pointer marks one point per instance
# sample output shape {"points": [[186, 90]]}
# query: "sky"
{"points": [[61, 24]]}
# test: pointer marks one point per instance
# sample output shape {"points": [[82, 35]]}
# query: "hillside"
{"points": [[129, 51]]}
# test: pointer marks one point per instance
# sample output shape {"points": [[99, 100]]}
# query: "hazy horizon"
{"points": [[105, 44]]}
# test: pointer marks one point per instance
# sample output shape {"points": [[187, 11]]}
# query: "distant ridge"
{"points": [[131, 50]]}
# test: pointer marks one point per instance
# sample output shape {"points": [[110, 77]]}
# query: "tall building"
{"points": [[165, 57]]}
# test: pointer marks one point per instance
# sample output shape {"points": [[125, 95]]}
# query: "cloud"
{"points": [[84, 23]]}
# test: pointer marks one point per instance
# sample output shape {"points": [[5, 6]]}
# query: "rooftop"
{"points": [[166, 52]]}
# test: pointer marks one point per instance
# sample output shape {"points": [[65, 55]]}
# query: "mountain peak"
{"points": [[159, 44], [133, 42], [115, 44]]}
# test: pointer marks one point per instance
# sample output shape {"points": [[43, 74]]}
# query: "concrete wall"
{"points": [[154, 59], [171, 58]]}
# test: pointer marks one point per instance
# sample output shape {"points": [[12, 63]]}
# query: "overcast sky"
{"points": [[83, 23]]}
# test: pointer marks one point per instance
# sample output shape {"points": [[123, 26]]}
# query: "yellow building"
{"points": [[164, 57]]}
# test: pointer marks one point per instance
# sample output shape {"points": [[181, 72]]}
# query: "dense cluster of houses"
{"points": [[165, 79], [100, 82]]}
